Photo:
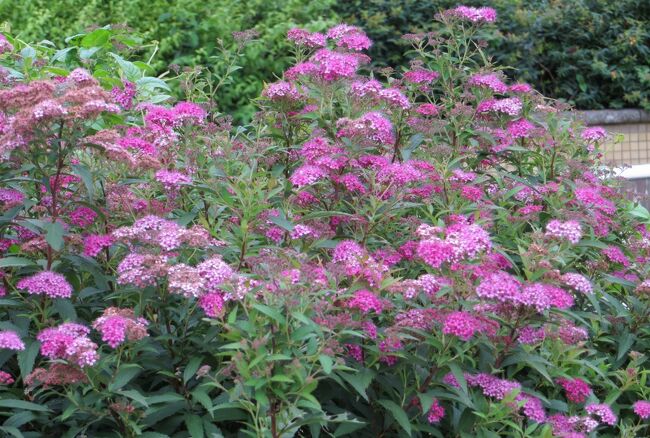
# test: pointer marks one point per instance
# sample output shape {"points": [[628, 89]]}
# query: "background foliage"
{"points": [[592, 53], [187, 32]]}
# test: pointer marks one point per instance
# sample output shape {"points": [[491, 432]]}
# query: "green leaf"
{"points": [[27, 358], [83, 173], [359, 381], [96, 38], [21, 404], [135, 396], [124, 375], [9, 262], [327, 363], [268, 311], [194, 425], [54, 235], [398, 414], [191, 368]]}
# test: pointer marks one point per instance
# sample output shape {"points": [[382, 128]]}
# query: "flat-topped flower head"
{"points": [[472, 14], [119, 325], [642, 409], [48, 283], [570, 230], [10, 340]]}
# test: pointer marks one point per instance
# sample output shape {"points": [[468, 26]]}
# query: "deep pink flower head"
{"points": [[51, 284], [118, 325], [95, 243], [366, 301], [576, 390], [331, 66], [83, 217], [578, 282], [436, 412], [212, 304], [307, 175], [6, 378], [10, 340], [69, 341], [642, 409], [521, 128], [461, 324], [427, 109], [492, 386]]}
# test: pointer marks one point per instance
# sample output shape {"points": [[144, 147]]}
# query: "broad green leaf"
{"points": [[398, 414]]}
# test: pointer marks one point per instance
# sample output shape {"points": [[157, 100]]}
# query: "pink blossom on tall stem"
{"points": [[569, 230], [576, 390], [603, 412]]}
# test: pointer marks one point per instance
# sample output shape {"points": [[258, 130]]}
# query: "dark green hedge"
{"points": [[592, 53]]}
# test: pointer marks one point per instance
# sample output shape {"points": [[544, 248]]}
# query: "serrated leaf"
{"points": [[191, 368], [194, 425], [27, 358]]}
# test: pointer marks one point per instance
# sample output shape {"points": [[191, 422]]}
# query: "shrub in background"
{"points": [[592, 53], [436, 253], [187, 32]]}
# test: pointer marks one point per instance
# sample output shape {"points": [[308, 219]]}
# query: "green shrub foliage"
{"points": [[433, 251]]}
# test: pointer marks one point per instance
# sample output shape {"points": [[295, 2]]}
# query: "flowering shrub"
{"points": [[437, 253]]}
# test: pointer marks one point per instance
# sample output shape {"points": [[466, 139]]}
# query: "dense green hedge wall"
{"points": [[592, 53]]}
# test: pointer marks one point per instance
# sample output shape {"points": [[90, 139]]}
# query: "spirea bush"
{"points": [[435, 251]]}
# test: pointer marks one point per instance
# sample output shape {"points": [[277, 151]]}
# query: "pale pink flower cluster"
{"points": [[195, 281], [595, 133], [475, 15], [420, 76], [172, 179], [5, 45], [10, 340], [142, 269], [118, 325], [373, 126], [461, 241], [69, 341], [48, 283], [569, 230], [282, 91], [578, 282], [305, 38], [603, 412], [11, 198], [489, 80], [503, 287], [165, 234], [511, 106]]}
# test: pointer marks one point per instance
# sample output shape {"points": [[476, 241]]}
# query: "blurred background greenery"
{"points": [[591, 53]]}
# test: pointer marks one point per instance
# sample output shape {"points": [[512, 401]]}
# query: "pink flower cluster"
{"points": [[569, 230], [95, 243], [603, 412], [10, 340], [366, 301], [118, 325], [475, 15], [461, 241], [6, 378], [503, 287], [577, 390], [642, 409], [490, 80], [172, 179], [69, 341], [48, 283], [511, 106], [282, 91], [462, 324], [578, 282], [162, 233], [373, 126]]}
